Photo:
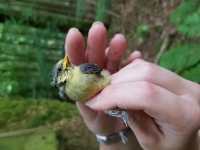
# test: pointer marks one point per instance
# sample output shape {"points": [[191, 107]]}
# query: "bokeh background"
{"points": [[32, 36]]}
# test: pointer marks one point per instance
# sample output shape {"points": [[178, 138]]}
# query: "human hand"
{"points": [[97, 121], [163, 108]]}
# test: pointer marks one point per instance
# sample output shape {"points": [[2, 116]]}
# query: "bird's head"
{"points": [[59, 72]]}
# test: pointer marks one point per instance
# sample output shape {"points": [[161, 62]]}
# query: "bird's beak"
{"points": [[66, 62]]}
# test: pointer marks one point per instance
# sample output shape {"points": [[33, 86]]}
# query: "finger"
{"points": [[144, 127], [96, 44], [87, 113], [140, 70], [74, 46], [115, 53], [169, 111], [135, 55], [135, 62], [92, 119], [154, 100]]}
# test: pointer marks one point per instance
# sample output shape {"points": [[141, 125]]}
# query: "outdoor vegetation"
{"points": [[32, 36], [184, 57]]}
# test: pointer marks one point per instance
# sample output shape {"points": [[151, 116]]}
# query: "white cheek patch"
{"points": [[62, 78]]}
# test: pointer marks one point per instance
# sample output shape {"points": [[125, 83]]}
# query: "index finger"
{"points": [[140, 70], [153, 100]]}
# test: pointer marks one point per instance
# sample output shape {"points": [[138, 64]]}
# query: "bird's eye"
{"points": [[59, 69]]}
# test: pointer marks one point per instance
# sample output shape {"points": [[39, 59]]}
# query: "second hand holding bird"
{"points": [[80, 83]]}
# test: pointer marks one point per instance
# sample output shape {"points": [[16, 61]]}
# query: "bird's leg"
{"points": [[62, 95], [120, 114], [65, 97]]}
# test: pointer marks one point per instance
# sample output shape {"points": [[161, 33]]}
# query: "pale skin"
{"points": [[163, 108]]}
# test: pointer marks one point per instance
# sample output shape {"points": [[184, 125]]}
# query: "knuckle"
{"points": [[148, 90], [148, 70]]}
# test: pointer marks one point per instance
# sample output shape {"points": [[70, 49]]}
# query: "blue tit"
{"points": [[79, 83]]}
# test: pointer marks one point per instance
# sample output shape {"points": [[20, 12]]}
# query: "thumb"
{"points": [[87, 113]]}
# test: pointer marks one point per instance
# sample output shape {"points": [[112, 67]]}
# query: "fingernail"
{"points": [[92, 100], [106, 51], [97, 22], [119, 35], [73, 29]]}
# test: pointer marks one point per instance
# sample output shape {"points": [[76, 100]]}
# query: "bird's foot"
{"points": [[120, 114]]}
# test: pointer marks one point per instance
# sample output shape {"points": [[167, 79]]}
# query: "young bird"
{"points": [[80, 83]]}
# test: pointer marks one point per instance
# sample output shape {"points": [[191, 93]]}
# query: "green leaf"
{"points": [[181, 57], [192, 74], [142, 29], [183, 10], [191, 26]]}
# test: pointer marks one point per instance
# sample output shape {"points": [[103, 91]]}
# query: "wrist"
{"points": [[132, 143], [115, 138]]}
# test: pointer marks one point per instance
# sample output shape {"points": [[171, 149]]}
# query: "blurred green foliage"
{"points": [[27, 57], [54, 15], [101, 7], [19, 113], [141, 33], [31, 43], [81, 6], [184, 58]]}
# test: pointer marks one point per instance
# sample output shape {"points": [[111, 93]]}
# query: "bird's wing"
{"points": [[90, 68]]}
